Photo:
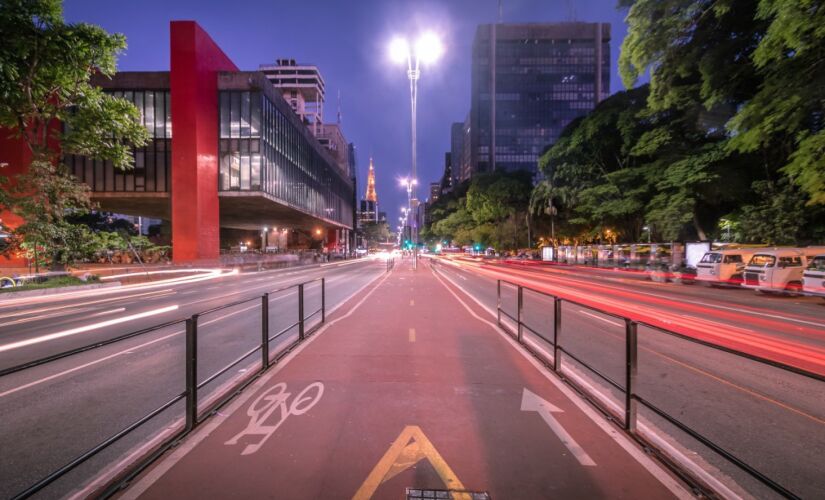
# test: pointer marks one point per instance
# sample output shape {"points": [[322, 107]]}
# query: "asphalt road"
{"points": [[54, 412], [770, 418]]}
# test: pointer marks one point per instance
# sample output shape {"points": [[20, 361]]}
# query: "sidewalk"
{"points": [[406, 388]]}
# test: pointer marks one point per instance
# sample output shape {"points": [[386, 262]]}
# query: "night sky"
{"points": [[348, 41]]}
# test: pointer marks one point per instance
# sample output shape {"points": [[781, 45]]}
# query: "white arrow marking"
{"points": [[532, 402]]}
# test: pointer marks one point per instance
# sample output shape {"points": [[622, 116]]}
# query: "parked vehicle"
{"points": [[813, 279], [723, 267], [777, 269]]}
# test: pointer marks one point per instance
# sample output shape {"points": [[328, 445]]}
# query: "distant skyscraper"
{"points": [[528, 82], [435, 192], [369, 205], [456, 150], [447, 179], [371, 196]]}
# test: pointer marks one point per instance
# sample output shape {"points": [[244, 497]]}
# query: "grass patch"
{"points": [[56, 282]]}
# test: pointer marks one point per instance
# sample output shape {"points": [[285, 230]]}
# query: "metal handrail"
{"points": [[228, 367], [631, 399], [226, 306], [190, 394], [290, 327], [54, 476], [78, 350]]}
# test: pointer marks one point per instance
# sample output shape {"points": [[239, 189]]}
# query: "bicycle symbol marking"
{"points": [[272, 401]]}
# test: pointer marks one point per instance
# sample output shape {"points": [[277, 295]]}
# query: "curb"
{"points": [[54, 291]]}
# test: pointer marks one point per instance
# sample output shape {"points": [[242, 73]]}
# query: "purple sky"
{"points": [[347, 40]]}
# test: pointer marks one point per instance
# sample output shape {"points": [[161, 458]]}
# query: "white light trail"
{"points": [[86, 328]]}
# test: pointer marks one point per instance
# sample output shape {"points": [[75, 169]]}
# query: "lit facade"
{"points": [[528, 82], [226, 152]]}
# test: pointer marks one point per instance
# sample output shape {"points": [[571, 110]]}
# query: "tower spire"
{"points": [[371, 196]]}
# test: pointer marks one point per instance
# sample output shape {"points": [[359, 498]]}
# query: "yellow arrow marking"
{"points": [[409, 448]]}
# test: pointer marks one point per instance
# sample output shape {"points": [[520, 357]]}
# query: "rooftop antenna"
{"points": [[571, 11], [339, 106], [500, 15]]}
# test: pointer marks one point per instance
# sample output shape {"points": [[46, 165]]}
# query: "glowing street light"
{"points": [[427, 49]]}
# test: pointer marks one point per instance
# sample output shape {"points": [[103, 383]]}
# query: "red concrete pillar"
{"points": [[15, 157], [332, 239], [195, 63]]}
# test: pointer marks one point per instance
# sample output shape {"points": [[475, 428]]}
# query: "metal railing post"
{"points": [[323, 300], [192, 372], [498, 303], [301, 311], [556, 333], [631, 371], [520, 307], [264, 331]]}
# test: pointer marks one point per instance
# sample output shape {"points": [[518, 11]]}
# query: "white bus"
{"points": [[778, 269], [813, 279], [723, 267]]}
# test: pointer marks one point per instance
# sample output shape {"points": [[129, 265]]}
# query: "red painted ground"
{"points": [[459, 381]]}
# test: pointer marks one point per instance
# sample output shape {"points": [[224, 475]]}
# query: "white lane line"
{"points": [[533, 402], [615, 323], [41, 316], [130, 350], [86, 328], [104, 313], [91, 363], [156, 293], [412, 334]]}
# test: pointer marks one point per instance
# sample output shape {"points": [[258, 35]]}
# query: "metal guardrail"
{"points": [[390, 264], [631, 398], [193, 416]]}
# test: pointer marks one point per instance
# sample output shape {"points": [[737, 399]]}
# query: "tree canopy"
{"points": [[47, 100]]}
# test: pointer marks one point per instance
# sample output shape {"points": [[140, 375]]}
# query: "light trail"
{"points": [[116, 290], [621, 339], [85, 328], [702, 328], [576, 274], [157, 293]]}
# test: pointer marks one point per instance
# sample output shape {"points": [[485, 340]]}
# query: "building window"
{"points": [[262, 149]]}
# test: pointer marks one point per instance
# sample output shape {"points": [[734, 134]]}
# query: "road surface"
{"points": [[54, 412], [408, 387], [770, 418]]}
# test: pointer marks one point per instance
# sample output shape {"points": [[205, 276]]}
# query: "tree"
{"points": [[488, 210], [595, 178], [748, 73], [376, 232], [47, 100], [789, 105]]}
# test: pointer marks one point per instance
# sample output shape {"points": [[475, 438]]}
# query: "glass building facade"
{"points": [[261, 149], [529, 81], [151, 172]]}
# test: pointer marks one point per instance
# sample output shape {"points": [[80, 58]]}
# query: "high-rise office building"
{"points": [[303, 88], [435, 192], [447, 179], [528, 82], [456, 150]]}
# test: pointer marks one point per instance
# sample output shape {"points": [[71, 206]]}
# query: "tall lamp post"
{"points": [[427, 50]]}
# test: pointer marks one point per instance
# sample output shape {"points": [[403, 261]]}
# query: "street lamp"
{"points": [[428, 49]]}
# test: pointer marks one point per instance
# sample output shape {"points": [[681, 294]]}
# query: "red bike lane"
{"points": [[407, 386]]}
